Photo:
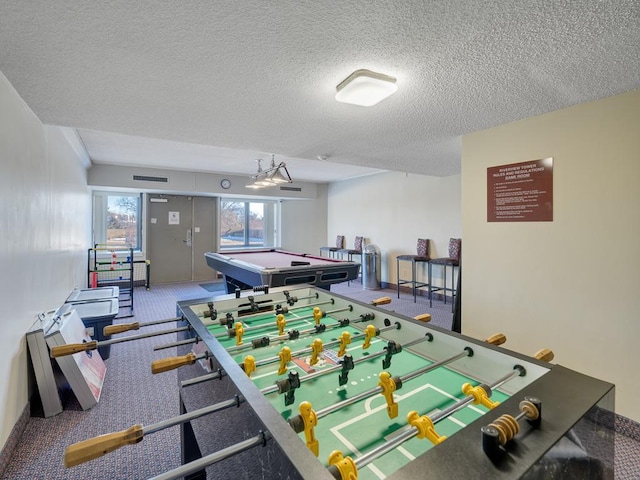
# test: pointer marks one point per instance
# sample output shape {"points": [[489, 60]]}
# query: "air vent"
{"points": [[144, 178], [291, 189]]}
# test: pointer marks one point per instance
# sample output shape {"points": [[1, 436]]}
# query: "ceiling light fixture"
{"points": [[366, 88], [274, 175]]}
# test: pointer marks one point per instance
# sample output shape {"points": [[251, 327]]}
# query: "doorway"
{"points": [[180, 230]]}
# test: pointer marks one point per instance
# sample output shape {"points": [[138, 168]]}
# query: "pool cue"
{"points": [[86, 450], [391, 444], [71, 348], [365, 317], [109, 330], [311, 376], [231, 332], [199, 464], [275, 359], [296, 422]]}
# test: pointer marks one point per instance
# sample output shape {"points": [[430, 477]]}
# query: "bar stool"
{"points": [[421, 257], [453, 261], [331, 251], [351, 252]]}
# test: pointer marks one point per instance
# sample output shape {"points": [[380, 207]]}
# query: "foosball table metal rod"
{"points": [[71, 348], [109, 330], [338, 463], [278, 386], [201, 463], [98, 446]]}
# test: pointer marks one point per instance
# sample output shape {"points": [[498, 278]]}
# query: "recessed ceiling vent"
{"points": [[291, 189], [144, 178]]}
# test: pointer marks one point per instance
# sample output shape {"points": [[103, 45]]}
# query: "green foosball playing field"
{"points": [[324, 385]]}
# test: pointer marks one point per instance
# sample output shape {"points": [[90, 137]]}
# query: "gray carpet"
{"points": [[133, 395]]}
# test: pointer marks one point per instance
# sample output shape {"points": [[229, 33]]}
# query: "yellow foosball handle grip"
{"points": [[496, 339], [249, 365], [310, 422], [285, 358], [97, 447], [345, 465], [424, 317], [425, 427], [281, 322], [123, 327], [70, 349], [388, 386], [479, 396], [171, 363], [544, 355], [316, 350], [239, 332], [345, 339], [370, 333], [381, 301]]}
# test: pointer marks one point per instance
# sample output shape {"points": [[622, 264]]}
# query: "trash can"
{"points": [[371, 267]]}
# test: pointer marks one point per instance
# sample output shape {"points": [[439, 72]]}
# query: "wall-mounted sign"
{"points": [[520, 192], [174, 218]]}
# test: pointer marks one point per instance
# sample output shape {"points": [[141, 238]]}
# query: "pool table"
{"points": [[278, 268]]}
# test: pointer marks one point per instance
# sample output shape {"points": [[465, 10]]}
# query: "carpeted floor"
{"points": [[131, 395]]}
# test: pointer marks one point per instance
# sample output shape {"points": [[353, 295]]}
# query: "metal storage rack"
{"points": [[111, 265]]}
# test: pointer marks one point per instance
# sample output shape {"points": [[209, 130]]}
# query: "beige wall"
{"points": [[45, 225], [572, 284], [392, 210]]}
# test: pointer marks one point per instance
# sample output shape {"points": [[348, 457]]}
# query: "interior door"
{"points": [[170, 238]]}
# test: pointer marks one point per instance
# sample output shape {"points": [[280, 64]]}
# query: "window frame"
{"points": [[100, 201], [271, 227]]}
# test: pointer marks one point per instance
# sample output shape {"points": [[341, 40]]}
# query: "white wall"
{"points": [[392, 210], [304, 223], [45, 225], [573, 284]]}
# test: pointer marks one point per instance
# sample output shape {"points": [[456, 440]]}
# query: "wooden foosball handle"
{"points": [[97, 447], [124, 327], [171, 363], [544, 355], [496, 339], [70, 349], [423, 317], [381, 301]]}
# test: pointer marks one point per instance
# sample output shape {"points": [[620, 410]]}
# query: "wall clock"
{"points": [[225, 183]]}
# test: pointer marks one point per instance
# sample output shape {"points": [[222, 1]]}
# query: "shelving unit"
{"points": [[111, 265]]}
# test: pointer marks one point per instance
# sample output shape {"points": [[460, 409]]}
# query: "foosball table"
{"points": [[304, 383]]}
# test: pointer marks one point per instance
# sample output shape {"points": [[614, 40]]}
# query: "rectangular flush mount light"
{"points": [[366, 88]]}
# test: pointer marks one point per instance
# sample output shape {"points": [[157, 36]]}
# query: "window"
{"points": [[117, 218], [248, 224]]}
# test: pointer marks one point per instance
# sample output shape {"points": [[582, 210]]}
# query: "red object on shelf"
{"points": [[94, 279]]}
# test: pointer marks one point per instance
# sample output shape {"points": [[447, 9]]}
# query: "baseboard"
{"points": [[14, 437]]}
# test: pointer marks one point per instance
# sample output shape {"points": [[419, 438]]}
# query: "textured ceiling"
{"points": [[239, 80]]}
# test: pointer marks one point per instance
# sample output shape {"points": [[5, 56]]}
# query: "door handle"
{"points": [[188, 240]]}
